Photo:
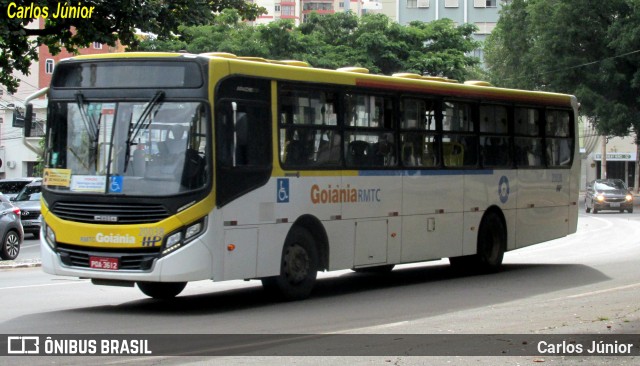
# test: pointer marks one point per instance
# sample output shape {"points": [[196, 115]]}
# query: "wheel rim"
{"points": [[13, 245], [296, 264]]}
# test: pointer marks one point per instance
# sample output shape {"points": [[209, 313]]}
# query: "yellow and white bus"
{"points": [[165, 168]]}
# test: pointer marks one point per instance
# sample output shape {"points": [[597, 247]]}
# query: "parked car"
{"points": [[10, 187], [11, 232], [608, 194], [28, 201]]}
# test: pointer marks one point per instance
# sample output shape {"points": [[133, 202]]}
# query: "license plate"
{"points": [[103, 263], [614, 204]]}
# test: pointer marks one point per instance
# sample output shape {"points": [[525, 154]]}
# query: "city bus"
{"points": [[279, 170]]}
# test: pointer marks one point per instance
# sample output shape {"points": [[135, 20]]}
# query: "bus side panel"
{"points": [[428, 192], [483, 190], [427, 237], [543, 206], [341, 234], [432, 207], [270, 243]]}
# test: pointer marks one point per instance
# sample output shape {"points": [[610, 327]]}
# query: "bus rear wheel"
{"points": [[492, 243], [162, 290], [298, 267]]}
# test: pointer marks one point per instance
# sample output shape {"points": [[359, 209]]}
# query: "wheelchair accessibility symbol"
{"points": [[283, 191], [115, 184]]}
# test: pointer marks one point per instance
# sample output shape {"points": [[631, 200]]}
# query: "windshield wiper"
{"points": [[135, 130], [89, 122]]}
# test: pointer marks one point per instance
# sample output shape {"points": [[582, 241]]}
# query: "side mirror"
{"points": [[28, 119]]}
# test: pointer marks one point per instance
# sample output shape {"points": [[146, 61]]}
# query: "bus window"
{"points": [[528, 144], [308, 127], [369, 137], [558, 140], [459, 143], [419, 147], [494, 142]]}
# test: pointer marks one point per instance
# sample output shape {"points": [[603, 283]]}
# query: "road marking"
{"points": [[598, 292], [375, 327], [43, 285]]}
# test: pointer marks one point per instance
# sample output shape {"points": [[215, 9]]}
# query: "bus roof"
{"points": [[294, 70]]}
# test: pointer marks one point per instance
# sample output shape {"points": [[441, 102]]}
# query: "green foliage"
{"points": [[331, 41], [584, 47], [111, 21]]}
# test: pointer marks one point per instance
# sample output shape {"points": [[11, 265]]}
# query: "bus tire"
{"points": [[161, 290], [298, 267], [492, 243]]}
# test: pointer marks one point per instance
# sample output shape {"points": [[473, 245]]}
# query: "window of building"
{"points": [[485, 3], [485, 27], [451, 3], [97, 45], [49, 65], [423, 3], [277, 8], [412, 4], [288, 10]]}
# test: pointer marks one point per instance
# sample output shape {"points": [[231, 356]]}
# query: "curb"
{"points": [[27, 263]]}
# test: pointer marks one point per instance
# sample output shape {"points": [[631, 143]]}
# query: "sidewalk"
{"points": [[20, 263]]}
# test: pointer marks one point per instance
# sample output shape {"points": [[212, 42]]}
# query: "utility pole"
{"points": [[603, 161]]}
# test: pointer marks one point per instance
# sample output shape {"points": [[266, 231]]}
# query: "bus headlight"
{"points": [[49, 235], [183, 236]]}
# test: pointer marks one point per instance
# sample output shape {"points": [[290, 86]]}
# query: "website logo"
{"points": [[23, 345]]}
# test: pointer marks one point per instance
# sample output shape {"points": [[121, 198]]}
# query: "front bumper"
{"points": [[192, 262], [615, 206]]}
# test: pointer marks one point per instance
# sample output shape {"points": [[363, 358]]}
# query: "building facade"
{"points": [[621, 157], [20, 154], [483, 14]]}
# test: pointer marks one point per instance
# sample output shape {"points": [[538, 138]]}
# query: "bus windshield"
{"points": [[123, 147]]}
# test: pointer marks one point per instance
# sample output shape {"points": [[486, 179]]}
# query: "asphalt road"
{"points": [[586, 283]]}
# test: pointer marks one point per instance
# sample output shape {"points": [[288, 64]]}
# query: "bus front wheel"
{"points": [[298, 267], [161, 290]]}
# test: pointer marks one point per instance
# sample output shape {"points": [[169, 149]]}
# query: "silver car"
{"points": [[10, 187], [11, 232], [28, 201]]}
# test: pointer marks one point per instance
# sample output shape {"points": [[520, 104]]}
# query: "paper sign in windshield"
{"points": [[88, 183], [56, 177]]}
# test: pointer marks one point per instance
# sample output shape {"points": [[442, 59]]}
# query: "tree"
{"points": [[336, 40], [110, 21], [582, 47]]}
